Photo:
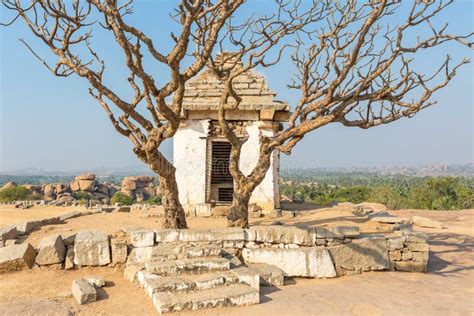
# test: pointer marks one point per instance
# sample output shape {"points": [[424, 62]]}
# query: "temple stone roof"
{"points": [[203, 93]]}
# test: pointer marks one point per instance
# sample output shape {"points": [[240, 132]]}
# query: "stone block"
{"points": [[96, 281], [118, 249], [420, 256], [16, 257], [167, 235], [395, 255], [366, 254], [83, 292], [269, 274], [91, 248], [69, 260], [247, 276], [427, 222], [417, 246], [51, 250], [9, 232], [406, 255], [231, 233], [155, 253], [232, 295], [304, 262], [142, 237], [202, 210], [27, 227], [337, 232], [388, 219], [193, 265], [396, 243], [69, 215], [416, 237], [284, 234], [411, 266], [131, 272]]}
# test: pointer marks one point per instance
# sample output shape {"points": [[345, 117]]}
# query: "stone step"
{"points": [[192, 266], [187, 283], [232, 295]]}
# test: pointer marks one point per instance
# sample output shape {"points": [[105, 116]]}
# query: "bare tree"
{"points": [[353, 68], [67, 27]]}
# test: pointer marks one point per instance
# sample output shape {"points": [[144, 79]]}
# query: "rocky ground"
{"points": [[447, 288]]}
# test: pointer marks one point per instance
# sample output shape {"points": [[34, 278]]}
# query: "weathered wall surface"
{"points": [[266, 194], [189, 155]]}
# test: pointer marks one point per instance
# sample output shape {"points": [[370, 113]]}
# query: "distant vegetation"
{"points": [[395, 191], [121, 198], [15, 194]]}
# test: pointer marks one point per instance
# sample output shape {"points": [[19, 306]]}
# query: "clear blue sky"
{"points": [[53, 123]]}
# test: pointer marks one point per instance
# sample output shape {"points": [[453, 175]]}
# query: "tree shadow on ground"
{"points": [[451, 243]]}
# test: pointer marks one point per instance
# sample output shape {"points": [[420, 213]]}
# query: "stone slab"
{"points": [[304, 262], [284, 234], [337, 232], [16, 257], [232, 295], [366, 254]]}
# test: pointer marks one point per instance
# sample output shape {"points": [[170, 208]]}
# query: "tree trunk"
{"points": [[174, 212], [238, 215]]}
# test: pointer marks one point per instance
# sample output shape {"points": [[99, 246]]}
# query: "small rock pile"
{"points": [[68, 193], [139, 188], [88, 183]]}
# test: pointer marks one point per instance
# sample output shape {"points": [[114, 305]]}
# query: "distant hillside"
{"points": [[461, 170]]}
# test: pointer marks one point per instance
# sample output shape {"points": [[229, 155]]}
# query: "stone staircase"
{"points": [[201, 279]]}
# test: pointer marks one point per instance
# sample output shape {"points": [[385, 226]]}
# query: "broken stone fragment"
{"points": [[16, 257], [95, 281], [131, 272], [83, 291], [9, 232], [51, 250], [269, 274], [69, 260]]}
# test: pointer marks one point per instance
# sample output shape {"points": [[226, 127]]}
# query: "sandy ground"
{"points": [[447, 289]]}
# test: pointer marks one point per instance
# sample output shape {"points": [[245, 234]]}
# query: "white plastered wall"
{"points": [[189, 154], [266, 194]]}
